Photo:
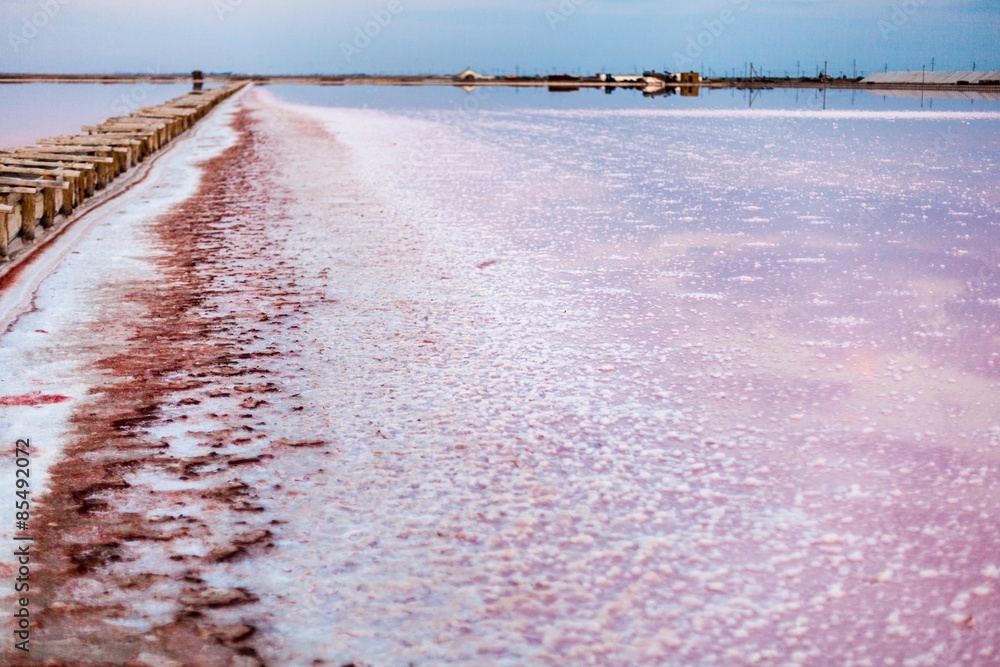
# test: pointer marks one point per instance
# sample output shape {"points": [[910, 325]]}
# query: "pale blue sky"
{"points": [[443, 36]]}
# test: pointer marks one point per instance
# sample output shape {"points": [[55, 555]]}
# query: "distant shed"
{"points": [[937, 78], [469, 75], [627, 78]]}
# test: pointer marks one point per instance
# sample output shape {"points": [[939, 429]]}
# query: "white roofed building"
{"points": [[469, 75], [991, 77]]}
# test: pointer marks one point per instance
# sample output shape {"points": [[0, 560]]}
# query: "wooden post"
{"points": [[28, 217], [71, 175], [91, 184], [82, 164], [48, 188], [5, 210], [48, 207], [81, 187]]}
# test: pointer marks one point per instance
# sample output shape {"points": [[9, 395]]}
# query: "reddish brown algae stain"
{"points": [[94, 525], [32, 398]]}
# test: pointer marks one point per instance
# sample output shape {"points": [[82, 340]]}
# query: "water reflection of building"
{"points": [[971, 94], [690, 91], [659, 91]]}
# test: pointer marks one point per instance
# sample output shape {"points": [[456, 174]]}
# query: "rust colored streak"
{"points": [[182, 347], [31, 399]]}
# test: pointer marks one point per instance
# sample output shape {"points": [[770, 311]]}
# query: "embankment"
{"points": [[41, 186]]}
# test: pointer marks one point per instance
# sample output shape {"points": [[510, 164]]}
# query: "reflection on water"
{"points": [[850, 256], [844, 258], [31, 111], [686, 98], [692, 384], [765, 342], [960, 94], [36, 110]]}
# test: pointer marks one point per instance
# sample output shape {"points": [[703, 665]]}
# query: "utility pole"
{"points": [[854, 68], [825, 69], [932, 64], [923, 74]]}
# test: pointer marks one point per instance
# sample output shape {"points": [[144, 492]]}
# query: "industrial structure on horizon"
{"points": [[967, 78]]}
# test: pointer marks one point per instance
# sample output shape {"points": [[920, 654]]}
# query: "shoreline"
{"points": [[45, 187], [404, 388], [739, 83]]}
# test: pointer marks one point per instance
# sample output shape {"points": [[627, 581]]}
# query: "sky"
{"points": [[496, 36]]}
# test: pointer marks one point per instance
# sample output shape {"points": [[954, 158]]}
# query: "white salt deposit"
{"points": [[581, 411]]}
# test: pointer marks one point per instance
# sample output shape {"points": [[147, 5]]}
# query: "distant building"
{"points": [[986, 78], [665, 77], [690, 77], [562, 77], [469, 75], [627, 78]]}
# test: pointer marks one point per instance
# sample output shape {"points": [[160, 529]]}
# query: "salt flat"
{"points": [[527, 387]]}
